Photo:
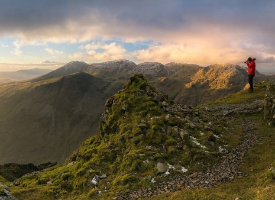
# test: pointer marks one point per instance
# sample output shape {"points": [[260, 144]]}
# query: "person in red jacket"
{"points": [[251, 71]]}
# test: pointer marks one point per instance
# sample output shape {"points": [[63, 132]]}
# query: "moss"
{"points": [[244, 96], [135, 135], [258, 163], [66, 185], [170, 141], [95, 192], [125, 179]]}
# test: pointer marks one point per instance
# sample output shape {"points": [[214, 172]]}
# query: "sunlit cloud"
{"points": [[103, 51], [53, 51], [76, 56], [201, 31]]}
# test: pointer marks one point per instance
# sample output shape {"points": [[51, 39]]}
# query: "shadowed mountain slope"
{"points": [[69, 68], [46, 120]]}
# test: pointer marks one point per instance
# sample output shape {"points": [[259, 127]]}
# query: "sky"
{"points": [[204, 32]]}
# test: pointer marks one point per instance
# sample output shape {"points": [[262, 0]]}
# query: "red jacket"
{"points": [[251, 67]]}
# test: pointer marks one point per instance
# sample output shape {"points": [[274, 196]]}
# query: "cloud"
{"points": [[187, 54], [133, 20], [102, 51], [76, 55], [53, 51], [5, 46], [17, 51], [49, 62], [191, 31]]}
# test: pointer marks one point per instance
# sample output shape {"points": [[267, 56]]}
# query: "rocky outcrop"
{"points": [[5, 193], [226, 169]]}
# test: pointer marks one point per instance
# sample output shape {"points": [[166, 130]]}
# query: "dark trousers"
{"points": [[250, 81]]}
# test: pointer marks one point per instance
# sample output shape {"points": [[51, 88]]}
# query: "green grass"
{"points": [[134, 121], [243, 96], [2, 179], [258, 164]]}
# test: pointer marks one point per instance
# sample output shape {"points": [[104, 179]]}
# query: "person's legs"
{"points": [[250, 81]]}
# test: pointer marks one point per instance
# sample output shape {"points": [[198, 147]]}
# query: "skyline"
{"points": [[201, 32]]}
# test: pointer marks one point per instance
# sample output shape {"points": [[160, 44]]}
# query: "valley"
{"points": [[56, 112]]}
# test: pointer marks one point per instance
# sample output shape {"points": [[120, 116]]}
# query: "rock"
{"points": [[164, 103], [192, 125], [103, 176], [182, 133], [49, 183], [168, 116], [124, 107], [149, 178], [225, 112], [95, 181], [148, 88], [104, 118], [211, 137], [161, 167], [157, 98]]}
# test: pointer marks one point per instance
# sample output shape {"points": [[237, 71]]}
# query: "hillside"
{"points": [[257, 165], [21, 75], [54, 115], [68, 69], [147, 141], [184, 83], [67, 102]]}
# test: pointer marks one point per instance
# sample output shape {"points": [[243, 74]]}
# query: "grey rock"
{"points": [[103, 176], [162, 167]]}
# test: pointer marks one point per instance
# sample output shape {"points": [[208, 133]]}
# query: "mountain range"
{"points": [[57, 111], [21, 75], [149, 147]]}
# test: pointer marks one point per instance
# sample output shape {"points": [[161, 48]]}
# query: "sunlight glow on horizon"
{"points": [[202, 32]]}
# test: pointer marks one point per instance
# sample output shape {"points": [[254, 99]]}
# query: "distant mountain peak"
{"points": [[67, 69]]}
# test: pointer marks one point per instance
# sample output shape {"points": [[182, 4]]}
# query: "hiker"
{"points": [[251, 71]]}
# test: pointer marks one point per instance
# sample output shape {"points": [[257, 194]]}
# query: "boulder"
{"points": [[162, 167]]}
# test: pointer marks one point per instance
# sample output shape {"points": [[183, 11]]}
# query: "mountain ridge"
{"points": [[145, 147], [142, 133], [45, 100]]}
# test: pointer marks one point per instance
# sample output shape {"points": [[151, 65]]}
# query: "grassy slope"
{"points": [[2, 179], [243, 96], [259, 163], [124, 161]]}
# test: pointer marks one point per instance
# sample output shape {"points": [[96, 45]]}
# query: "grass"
{"points": [[258, 164], [134, 122], [243, 96]]}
